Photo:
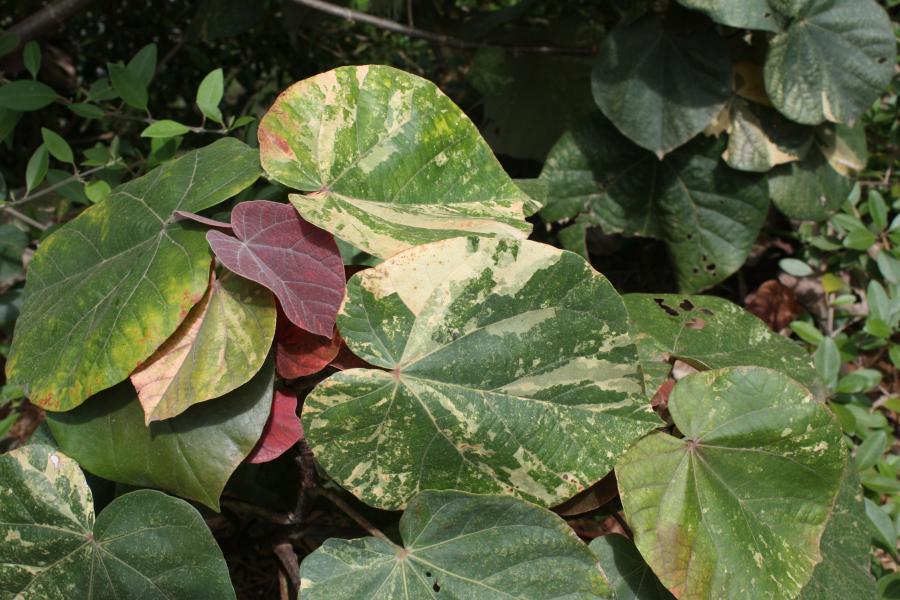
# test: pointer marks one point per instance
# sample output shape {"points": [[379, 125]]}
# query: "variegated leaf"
{"points": [[759, 138], [221, 344], [457, 546], [387, 161], [737, 508], [509, 369]]}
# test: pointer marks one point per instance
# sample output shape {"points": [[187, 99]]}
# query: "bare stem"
{"points": [[350, 512]]}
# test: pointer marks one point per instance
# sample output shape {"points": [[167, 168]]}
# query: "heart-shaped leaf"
{"points": [[459, 546], [300, 263], [222, 343], [661, 80], [736, 509], [390, 160], [708, 215], [743, 14], [626, 570], [808, 190], [759, 138], [191, 455], [844, 570], [833, 60], [500, 352], [283, 429], [143, 545], [709, 333], [108, 288], [299, 353]]}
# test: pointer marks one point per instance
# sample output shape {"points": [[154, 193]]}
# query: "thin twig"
{"points": [[26, 219], [438, 38], [350, 512], [46, 19], [46, 190], [288, 559]]}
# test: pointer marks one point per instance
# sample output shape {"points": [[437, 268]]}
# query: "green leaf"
{"points": [[709, 333], [36, 169], [878, 210], [143, 545], [708, 214], [834, 59], [97, 190], [844, 147], [143, 65], [795, 267], [191, 455], [869, 452], [107, 288], [459, 546], [807, 332], [881, 527], [844, 570], [389, 160], [759, 138], [861, 380], [827, 360], [8, 121], [101, 90], [13, 242], [640, 79], [128, 86], [736, 509], [624, 567], [165, 128], [859, 239], [219, 346], [85, 110], [209, 95], [25, 95], [498, 353], [57, 146], [31, 58], [8, 43], [808, 190], [742, 14]]}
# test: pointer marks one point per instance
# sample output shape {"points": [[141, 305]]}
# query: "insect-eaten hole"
{"points": [[711, 267], [436, 587], [686, 305], [662, 304], [881, 60], [427, 573]]}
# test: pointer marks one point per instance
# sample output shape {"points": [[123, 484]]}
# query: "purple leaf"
{"points": [[299, 262]]}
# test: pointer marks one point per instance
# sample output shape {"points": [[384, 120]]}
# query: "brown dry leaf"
{"points": [[775, 304]]}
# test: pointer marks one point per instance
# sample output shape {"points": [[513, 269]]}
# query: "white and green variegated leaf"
{"points": [[387, 162], [743, 14], [759, 138], [709, 333], [143, 545], [505, 366], [737, 508], [459, 546], [832, 61]]}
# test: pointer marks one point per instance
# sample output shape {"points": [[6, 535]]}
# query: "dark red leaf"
{"points": [[183, 215], [282, 430], [299, 353], [299, 262], [775, 304]]}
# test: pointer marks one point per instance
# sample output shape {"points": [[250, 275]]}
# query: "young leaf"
{"points": [[128, 86], [220, 345], [36, 169], [833, 60], [143, 65], [164, 128], [191, 455], [97, 190], [282, 430], [640, 79], [25, 94], [390, 162], [736, 509], [141, 545], [496, 353], [299, 353], [31, 58], [57, 146], [708, 214], [209, 94], [107, 288], [462, 546], [709, 333], [624, 567], [300, 263]]}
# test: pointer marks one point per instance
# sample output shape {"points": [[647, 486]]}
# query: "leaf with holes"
{"points": [[191, 455], [834, 59], [300, 263], [626, 570], [462, 546], [844, 570], [737, 508], [219, 347], [388, 160], [708, 215], [500, 353], [107, 288], [743, 14], [283, 429], [144, 544], [661, 80], [709, 333]]}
